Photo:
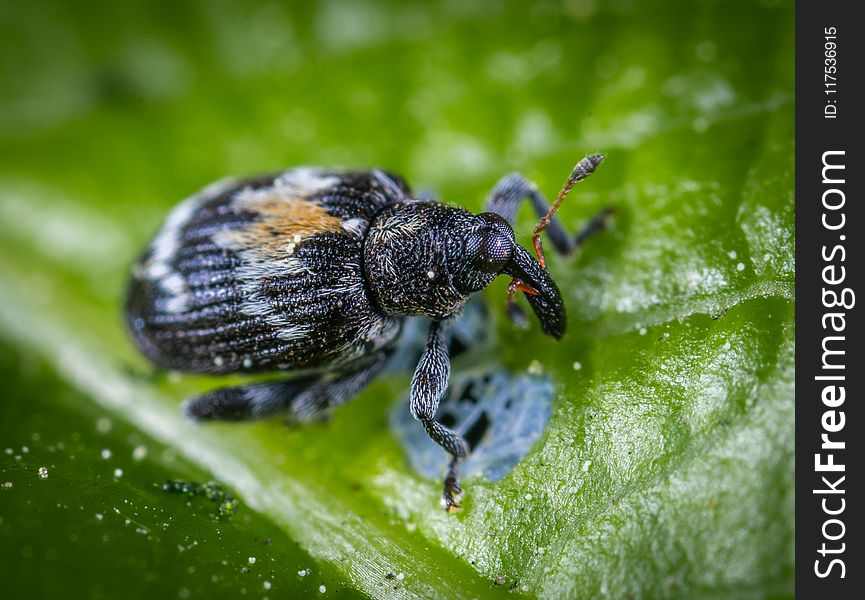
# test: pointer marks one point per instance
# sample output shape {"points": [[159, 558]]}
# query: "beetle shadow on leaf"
{"points": [[500, 414]]}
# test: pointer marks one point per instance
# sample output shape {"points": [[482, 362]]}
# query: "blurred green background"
{"points": [[667, 467]]}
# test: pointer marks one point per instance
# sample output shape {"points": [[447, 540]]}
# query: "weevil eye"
{"points": [[493, 245], [493, 252]]}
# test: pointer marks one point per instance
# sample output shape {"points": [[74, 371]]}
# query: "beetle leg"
{"points": [[505, 200], [306, 398], [599, 222], [428, 385], [515, 312], [312, 403], [512, 189], [245, 402]]}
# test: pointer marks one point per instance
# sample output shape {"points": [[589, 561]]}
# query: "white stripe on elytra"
{"points": [[168, 241], [295, 183], [305, 181], [392, 190], [300, 183]]}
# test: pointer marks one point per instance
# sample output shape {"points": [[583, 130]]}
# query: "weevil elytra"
{"points": [[313, 272]]}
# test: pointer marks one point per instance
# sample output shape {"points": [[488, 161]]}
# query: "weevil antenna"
{"points": [[583, 169]]}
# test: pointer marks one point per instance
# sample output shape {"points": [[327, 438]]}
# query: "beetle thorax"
{"points": [[407, 256]]}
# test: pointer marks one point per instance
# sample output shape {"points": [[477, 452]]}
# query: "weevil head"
{"points": [[425, 258]]}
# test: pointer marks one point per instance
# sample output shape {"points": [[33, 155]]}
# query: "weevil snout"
{"points": [[546, 300], [491, 250]]}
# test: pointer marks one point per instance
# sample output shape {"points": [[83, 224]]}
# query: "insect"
{"points": [[313, 272]]}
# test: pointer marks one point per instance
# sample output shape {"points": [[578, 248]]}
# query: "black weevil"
{"points": [[314, 271]]}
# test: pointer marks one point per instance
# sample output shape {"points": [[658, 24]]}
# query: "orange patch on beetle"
{"points": [[284, 221]]}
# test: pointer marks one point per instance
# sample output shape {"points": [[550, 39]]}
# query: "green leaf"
{"points": [[667, 467]]}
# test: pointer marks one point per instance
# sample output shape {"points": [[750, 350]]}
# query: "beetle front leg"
{"points": [[512, 189], [505, 200], [428, 385]]}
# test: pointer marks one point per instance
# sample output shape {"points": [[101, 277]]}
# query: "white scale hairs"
{"points": [[294, 183], [167, 242]]}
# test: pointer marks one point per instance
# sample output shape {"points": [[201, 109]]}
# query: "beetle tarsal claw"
{"points": [[452, 489]]}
